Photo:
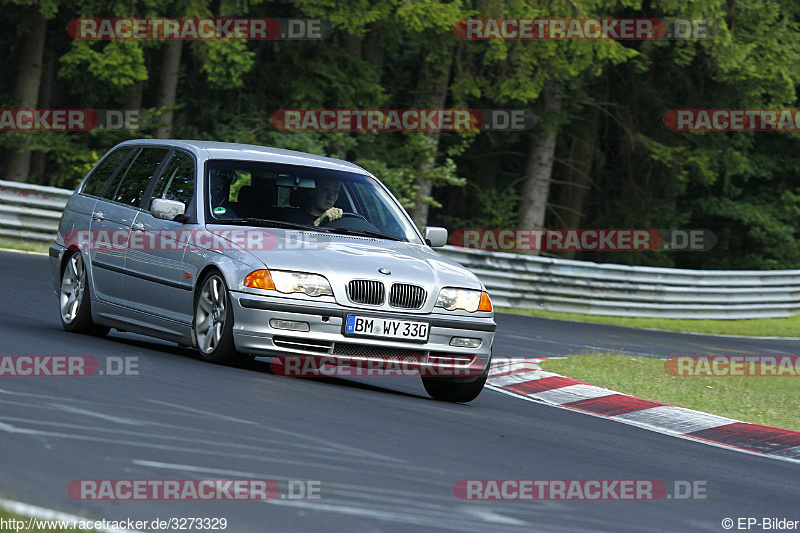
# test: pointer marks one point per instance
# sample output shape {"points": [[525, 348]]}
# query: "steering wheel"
{"points": [[328, 222], [356, 215], [350, 220]]}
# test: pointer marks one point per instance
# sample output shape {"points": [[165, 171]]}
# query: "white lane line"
{"points": [[204, 451], [43, 513], [348, 492], [201, 412], [221, 472], [278, 447], [28, 252], [107, 418], [240, 473], [358, 452], [437, 521], [494, 518]]}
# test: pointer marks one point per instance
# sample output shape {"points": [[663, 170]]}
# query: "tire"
{"points": [[450, 390], [212, 327], [73, 299]]}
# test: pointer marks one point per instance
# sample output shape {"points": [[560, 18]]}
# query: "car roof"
{"points": [[251, 152]]}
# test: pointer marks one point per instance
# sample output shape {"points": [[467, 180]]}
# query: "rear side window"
{"points": [[132, 188], [177, 180], [103, 173]]}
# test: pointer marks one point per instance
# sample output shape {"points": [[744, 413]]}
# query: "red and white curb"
{"points": [[527, 380]]}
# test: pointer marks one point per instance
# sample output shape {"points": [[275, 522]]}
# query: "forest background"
{"points": [[600, 155]]}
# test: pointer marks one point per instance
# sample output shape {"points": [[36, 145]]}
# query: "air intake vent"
{"points": [[368, 292], [366, 350], [406, 296], [297, 343]]}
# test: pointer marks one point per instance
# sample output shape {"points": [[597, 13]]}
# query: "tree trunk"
{"points": [[26, 90], [39, 157], [135, 94], [375, 45], [334, 148], [573, 193], [170, 71], [434, 88], [539, 167]]}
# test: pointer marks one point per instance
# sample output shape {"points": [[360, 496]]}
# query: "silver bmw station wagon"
{"points": [[246, 251]]}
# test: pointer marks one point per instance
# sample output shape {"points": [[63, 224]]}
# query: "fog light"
{"points": [[292, 325], [465, 342]]}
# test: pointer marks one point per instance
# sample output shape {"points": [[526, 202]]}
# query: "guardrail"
{"points": [[32, 212], [531, 282]]}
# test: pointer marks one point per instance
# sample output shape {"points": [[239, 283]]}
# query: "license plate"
{"points": [[386, 328]]}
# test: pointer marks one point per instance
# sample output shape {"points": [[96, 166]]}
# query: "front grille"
{"points": [[368, 292], [365, 350], [406, 296]]}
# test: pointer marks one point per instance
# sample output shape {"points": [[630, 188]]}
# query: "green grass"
{"points": [[5, 515], [771, 401], [24, 245], [758, 327]]}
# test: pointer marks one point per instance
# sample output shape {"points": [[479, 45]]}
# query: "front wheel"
{"points": [[73, 299], [450, 390], [213, 322]]}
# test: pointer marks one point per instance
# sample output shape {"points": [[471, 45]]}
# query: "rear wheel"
{"points": [[451, 390], [213, 322], [73, 298]]}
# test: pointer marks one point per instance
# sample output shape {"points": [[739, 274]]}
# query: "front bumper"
{"points": [[56, 253], [254, 335]]}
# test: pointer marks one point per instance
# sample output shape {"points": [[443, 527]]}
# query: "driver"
{"points": [[220, 190], [321, 200]]}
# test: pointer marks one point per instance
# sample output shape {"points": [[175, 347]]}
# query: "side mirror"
{"points": [[168, 209], [435, 237]]}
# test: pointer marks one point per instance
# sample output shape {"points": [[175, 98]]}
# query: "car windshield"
{"points": [[240, 192]]}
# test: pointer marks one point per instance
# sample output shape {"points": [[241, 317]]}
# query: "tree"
{"points": [[29, 76]]}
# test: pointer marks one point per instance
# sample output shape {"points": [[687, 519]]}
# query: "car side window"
{"points": [[104, 172], [131, 189], [177, 180]]}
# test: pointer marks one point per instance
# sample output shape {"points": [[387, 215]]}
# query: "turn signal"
{"points": [[260, 279], [486, 303]]}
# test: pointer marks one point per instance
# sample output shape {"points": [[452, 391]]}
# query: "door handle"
{"points": [[98, 215], [137, 226]]}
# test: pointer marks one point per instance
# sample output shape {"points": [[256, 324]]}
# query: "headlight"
{"points": [[469, 300], [289, 282]]}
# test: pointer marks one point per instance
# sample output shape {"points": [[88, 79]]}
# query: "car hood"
{"points": [[343, 257]]}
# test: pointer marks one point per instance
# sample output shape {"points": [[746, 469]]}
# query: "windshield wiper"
{"points": [[365, 233], [264, 222]]}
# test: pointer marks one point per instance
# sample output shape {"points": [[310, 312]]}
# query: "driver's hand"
{"points": [[334, 213]]}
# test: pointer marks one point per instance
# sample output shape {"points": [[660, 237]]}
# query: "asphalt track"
{"points": [[386, 455]]}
